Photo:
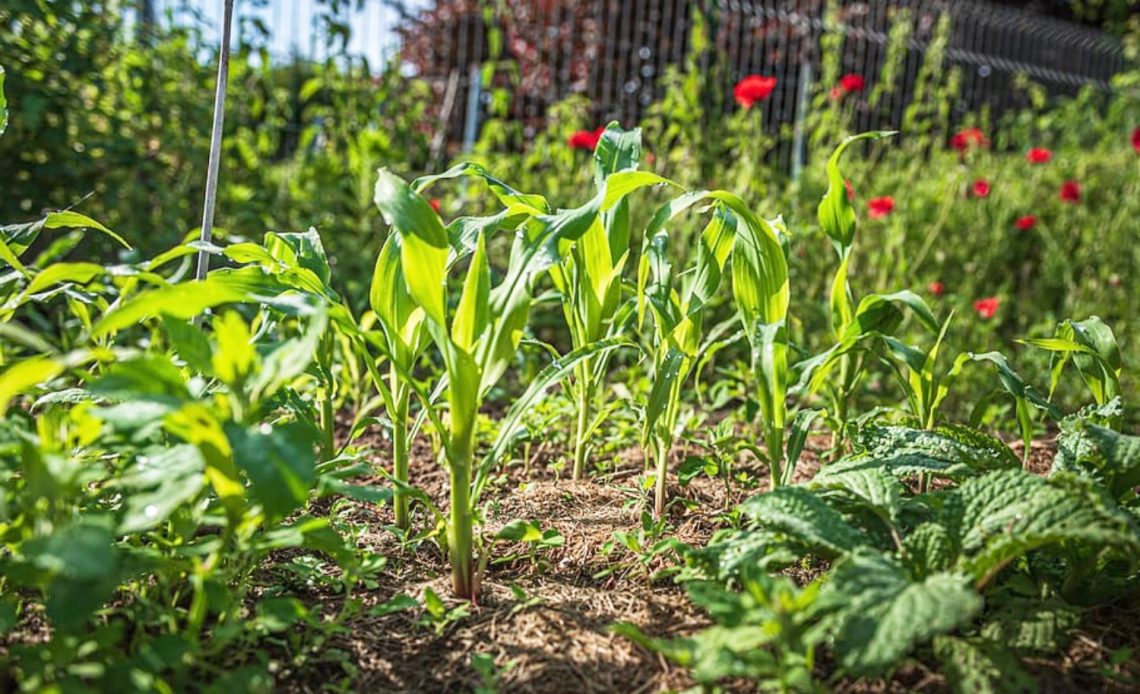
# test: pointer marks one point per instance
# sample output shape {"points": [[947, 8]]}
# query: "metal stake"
{"points": [[215, 142]]}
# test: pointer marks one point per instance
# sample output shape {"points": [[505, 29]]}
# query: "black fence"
{"points": [[615, 51]]}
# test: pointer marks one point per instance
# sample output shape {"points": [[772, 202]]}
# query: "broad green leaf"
{"points": [[981, 666], [520, 531], [63, 272], [280, 462], [288, 360], [949, 451], [1002, 515], [1030, 624], [806, 519], [874, 488], [20, 377], [881, 613], [189, 343], [1110, 458], [302, 250], [81, 566], [183, 301], [235, 357], [158, 483]]}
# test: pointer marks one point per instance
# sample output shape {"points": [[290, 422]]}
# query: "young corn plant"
{"points": [[479, 339], [760, 287], [856, 327], [402, 321], [589, 278]]}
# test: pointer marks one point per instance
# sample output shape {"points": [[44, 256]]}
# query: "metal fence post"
{"points": [[215, 142]]}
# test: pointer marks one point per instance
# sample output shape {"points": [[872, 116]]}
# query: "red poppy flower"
{"points": [[434, 202], [1026, 223], [585, 139], [753, 88], [969, 138], [1136, 140], [850, 190], [852, 83], [981, 188], [987, 307], [877, 208], [937, 288], [1070, 192], [1038, 155]]}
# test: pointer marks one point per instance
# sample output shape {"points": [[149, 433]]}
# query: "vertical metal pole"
{"points": [[799, 152], [216, 141], [471, 117]]}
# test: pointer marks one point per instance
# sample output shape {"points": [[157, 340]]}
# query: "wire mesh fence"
{"points": [[615, 52]]}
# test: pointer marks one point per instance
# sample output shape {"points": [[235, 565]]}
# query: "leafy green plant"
{"points": [[760, 285], [477, 343], [590, 280]]}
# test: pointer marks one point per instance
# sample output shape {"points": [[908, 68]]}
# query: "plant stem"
{"points": [[400, 451], [584, 397], [661, 452], [460, 533], [328, 424]]}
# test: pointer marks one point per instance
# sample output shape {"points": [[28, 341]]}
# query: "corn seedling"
{"points": [[479, 339], [760, 285], [590, 281]]}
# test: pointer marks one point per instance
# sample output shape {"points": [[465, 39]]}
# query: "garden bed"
{"points": [[546, 623]]}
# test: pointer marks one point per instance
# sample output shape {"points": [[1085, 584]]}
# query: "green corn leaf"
{"points": [[472, 315], [806, 519], [881, 313], [1092, 346], [881, 613], [1023, 393], [617, 150], [666, 378], [535, 392], [507, 195], [424, 248], [835, 213], [801, 427], [400, 316]]}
